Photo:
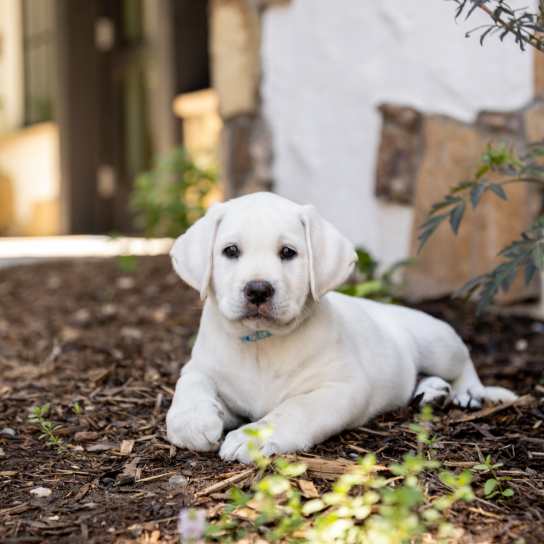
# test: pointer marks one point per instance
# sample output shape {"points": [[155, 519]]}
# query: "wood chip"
{"points": [[101, 447], [357, 448], [372, 432], [82, 492], [14, 509], [86, 436], [130, 468], [9, 473], [493, 410], [482, 512], [126, 446], [157, 477], [308, 489], [228, 482], [459, 463], [329, 469], [65, 431]]}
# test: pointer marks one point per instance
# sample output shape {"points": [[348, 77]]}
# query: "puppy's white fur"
{"points": [[332, 362]]}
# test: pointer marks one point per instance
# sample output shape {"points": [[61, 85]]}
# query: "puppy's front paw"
{"points": [[198, 428], [436, 392], [235, 446]]}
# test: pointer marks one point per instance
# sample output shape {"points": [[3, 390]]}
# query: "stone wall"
{"points": [[421, 157]]}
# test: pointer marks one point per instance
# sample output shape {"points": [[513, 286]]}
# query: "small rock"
{"points": [[54, 282], [132, 333], [177, 479], [135, 530], [108, 309], [82, 316], [85, 436], [7, 430], [78, 448], [521, 344], [41, 492], [125, 283], [2, 454], [537, 326]]}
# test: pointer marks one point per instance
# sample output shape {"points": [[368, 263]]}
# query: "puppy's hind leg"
{"points": [[445, 356], [468, 390]]}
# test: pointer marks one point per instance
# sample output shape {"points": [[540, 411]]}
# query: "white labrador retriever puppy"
{"points": [[276, 346]]}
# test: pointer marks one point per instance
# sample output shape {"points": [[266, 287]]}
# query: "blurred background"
{"points": [[132, 116]]}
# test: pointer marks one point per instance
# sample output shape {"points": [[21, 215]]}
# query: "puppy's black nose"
{"points": [[258, 292]]}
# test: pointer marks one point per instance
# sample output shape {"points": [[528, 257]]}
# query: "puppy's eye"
{"points": [[231, 251], [287, 253]]}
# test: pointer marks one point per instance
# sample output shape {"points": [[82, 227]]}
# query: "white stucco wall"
{"points": [[327, 65]]}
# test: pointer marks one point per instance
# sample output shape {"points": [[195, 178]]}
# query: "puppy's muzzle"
{"points": [[258, 292]]}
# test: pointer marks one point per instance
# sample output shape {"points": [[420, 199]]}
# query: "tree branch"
{"points": [[503, 23]]}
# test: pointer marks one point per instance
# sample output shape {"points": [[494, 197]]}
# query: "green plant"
{"points": [[76, 408], [125, 263], [366, 283], [361, 507], [494, 481], [47, 428], [171, 197]]}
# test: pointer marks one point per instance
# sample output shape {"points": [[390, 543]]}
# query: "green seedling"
{"points": [[76, 408], [47, 428], [494, 482]]}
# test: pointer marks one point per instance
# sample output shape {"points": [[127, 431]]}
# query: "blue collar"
{"points": [[257, 335]]}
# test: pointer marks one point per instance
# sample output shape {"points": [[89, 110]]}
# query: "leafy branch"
{"points": [[527, 252], [47, 428], [522, 24]]}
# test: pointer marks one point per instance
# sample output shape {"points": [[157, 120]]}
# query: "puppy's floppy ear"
{"points": [[192, 253], [331, 256]]}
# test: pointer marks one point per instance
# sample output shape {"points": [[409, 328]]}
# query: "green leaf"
{"points": [[476, 193], [490, 486], [538, 255], [507, 493], [367, 288], [480, 467], [456, 216], [498, 190]]}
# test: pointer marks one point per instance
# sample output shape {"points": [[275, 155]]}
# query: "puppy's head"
{"points": [[262, 256]]}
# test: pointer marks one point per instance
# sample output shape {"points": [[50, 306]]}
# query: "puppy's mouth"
{"points": [[258, 316]]}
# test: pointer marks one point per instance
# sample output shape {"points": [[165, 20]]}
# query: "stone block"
{"points": [[246, 149], [446, 261], [399, 154], [495, 121], [235, 56]]}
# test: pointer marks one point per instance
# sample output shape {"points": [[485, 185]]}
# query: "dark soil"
{"points": [[85, 332]]}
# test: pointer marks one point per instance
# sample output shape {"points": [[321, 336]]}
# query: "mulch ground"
{"points": [[85, 332]]}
